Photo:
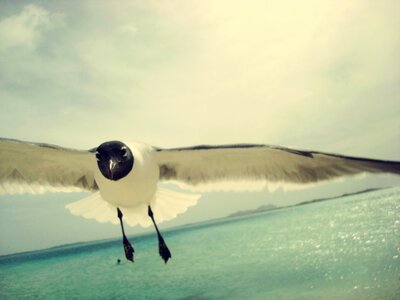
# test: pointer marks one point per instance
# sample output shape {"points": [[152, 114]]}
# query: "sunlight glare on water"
{"points": [[347, 248]]}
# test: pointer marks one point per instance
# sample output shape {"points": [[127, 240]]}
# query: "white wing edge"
{"points": [[256, 184], [18, 188]]}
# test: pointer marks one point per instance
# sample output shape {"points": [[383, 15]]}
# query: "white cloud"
{"points": [[173, 73], [26, 28], [279, 72]]}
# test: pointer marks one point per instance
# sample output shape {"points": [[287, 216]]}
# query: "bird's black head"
{"points": [[114, 159]]}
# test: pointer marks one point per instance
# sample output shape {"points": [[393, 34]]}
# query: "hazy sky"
{"points": [[320, 75]]}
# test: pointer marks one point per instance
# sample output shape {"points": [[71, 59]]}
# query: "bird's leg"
{"points": [[127, 245], [162, 246]]}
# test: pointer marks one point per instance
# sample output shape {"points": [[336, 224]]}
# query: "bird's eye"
{"points": [[98, 156], [124, 152]]}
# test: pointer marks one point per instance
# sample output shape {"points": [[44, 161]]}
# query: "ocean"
{"points": [[346, 248]]}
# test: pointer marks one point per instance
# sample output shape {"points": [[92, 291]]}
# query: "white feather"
{"points": [[14, 188], [166, 205], [94, 207]]}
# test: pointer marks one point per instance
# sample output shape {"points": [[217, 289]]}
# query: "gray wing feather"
{"points": [[37, 168], [206, 166]]}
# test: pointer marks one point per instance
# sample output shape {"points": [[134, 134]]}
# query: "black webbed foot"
{"points": [[162, 246], [128, 248], [163, 250]]}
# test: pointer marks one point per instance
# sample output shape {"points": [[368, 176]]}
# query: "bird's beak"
{"points": [[111, 167]]}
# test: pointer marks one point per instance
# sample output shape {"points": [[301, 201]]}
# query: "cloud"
{"points": [[26, 28], [314, 74], [282, 72]]}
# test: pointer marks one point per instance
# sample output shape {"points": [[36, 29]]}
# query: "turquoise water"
{"points": [[346, 248]]}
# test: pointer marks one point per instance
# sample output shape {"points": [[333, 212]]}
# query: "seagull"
{"points": [[124, 177]]}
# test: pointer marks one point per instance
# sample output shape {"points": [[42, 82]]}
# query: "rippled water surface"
{"points": [[346, 248]]}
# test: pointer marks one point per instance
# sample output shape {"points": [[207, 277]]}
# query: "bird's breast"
{"points": [[138, 187]]}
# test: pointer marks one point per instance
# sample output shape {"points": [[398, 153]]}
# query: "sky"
{"points": [[320, 75]]}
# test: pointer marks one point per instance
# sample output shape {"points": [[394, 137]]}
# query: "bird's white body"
{"points": [[138, 187], [133, 193]]}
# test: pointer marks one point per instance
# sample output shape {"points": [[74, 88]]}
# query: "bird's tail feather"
{"points": [[94, 207], [166, 205]]}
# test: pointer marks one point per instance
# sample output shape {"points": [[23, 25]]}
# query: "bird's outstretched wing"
{"points": [[37, 168], [248, 166]]}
